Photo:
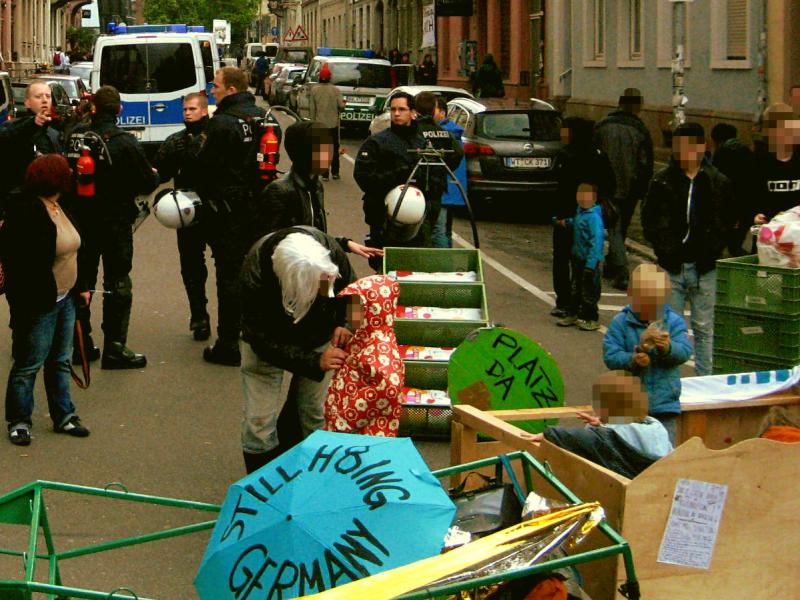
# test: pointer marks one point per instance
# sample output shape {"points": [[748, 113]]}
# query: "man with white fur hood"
{"points": [[291, 321]]}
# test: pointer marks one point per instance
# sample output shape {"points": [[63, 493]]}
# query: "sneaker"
{"points": [[220, 355], [586, 325], [117, 355], [558, 312], [336, 176], [73, 427], [20, 434], [567, 321]]}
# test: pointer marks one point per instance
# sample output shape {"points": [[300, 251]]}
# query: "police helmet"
{"points": [[404, 222], [177, 209]]}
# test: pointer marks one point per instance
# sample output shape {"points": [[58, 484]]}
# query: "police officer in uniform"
{"points": [[177, 158], [121, 174], [24, 138], [384, 162], [231, 179]]}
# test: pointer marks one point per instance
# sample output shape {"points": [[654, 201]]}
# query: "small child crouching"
{"points": [[621, 437]]}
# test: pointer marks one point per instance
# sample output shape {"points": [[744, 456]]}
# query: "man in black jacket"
{"points": [[177, 157], [682, 218], [624, 138], [291, 321], [228, 160], [106, 222], [24, 138]]}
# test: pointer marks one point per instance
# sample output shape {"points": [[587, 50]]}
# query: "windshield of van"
{"points": [[543, 126], [148, 68], [361, 75], [270, 51], [295, 56]]}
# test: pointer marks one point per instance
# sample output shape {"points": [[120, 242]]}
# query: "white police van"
{"points": [[153, 67]]}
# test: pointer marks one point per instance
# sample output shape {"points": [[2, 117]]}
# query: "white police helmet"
{"points": [[177, 209], [404, 225]]}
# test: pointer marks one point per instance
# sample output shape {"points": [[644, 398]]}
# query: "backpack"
{"points": [[57, 59], [98, 150]]}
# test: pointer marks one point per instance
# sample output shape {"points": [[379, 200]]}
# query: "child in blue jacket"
{"points": [[587, 260], [650, 340]]}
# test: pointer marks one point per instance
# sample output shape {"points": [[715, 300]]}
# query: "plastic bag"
{"points": [[779, 240]]}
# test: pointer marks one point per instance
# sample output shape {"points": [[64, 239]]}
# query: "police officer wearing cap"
{"points": [[386, 160], [106, 222], [231, 179], [24, 138], [177, 158]]}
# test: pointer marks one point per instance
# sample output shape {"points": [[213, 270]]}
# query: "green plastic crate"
{"points": [[761, 335], [739, 362], [426, 374], [432, 260], [445, 295], [743, 283], [431, 422], [426, 332]]}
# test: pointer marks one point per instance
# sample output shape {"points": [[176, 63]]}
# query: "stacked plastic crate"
{"points": [[426, 416], [757, 316]]}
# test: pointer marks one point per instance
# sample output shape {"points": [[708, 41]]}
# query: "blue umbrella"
{"points": [[335, 508]]}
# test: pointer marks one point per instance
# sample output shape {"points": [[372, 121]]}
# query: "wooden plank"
{"points": [[757, 547], [539, 413]]}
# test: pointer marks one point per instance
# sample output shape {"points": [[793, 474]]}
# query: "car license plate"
{"points": [[528, 163], [356, 116], [359, 99]]}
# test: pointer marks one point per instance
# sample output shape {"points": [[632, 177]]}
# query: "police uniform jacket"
{"points": [[119, 181], [21, 141], [272, 334], [228, 157], [177, 156]]}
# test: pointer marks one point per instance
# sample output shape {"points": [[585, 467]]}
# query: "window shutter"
{"points": [[737, 30]]}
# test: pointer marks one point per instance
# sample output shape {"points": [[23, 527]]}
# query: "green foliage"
{"points": [[81, 39], [240, 13]]}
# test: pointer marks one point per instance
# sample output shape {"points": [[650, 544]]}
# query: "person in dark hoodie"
{"points": [[231, 179], [683, 219], [619, 435], [624, 138], [578, 156], [177, 158], [733, 159]]}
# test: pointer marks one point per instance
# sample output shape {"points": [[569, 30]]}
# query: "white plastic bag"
{"points": [[779, 240]]}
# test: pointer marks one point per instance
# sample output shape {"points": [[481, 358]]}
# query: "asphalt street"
{"points": [[172, 429]]}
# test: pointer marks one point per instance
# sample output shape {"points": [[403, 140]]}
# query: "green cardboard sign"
{"points": [[501, 369]]}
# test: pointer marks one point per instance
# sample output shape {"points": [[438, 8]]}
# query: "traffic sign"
{"points": [[276, 31], [288, 37], [300, 34]]}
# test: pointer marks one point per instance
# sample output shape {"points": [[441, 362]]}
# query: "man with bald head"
{"points": [[26, 137]]}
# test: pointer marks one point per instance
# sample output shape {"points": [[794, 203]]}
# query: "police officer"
{"points": [[386, 159], [177, 158], [231, 179], [26, 137], [122, 172]]}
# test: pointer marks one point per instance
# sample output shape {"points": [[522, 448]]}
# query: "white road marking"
{"points": [[348, 158]]}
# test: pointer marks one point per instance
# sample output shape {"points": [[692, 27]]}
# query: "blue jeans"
{"points": [[37, 340], [441, 231], [700, 291]]}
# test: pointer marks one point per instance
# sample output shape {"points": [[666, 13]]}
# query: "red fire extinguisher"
{"points": [[268, 154], [85, 169]]}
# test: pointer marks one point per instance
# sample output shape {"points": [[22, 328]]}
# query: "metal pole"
{"points": [[679, 100], [763, 90]]}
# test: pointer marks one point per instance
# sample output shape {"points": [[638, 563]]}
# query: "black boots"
{"points": [[92, 351], [222, 354], [253, 462], [117, 355], [200, 328]]}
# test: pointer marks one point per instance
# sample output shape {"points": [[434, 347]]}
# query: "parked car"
{"points": [[7, 107], [83, 70], [508, 150], [275, 70], [383, 119], [79, 95], [282, 86]]}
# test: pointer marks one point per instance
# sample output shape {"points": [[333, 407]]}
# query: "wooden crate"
{"points": [[752, 557]]}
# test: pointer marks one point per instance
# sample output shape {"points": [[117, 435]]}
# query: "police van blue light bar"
{"points": [[122, 28], [352, 52]]}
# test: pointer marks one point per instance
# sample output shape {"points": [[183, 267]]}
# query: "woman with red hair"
{"points": [[39, 250]]}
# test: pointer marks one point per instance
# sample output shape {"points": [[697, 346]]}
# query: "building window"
{"points": [[595, 33], [630, 29], [665, 45], [730, 34]]}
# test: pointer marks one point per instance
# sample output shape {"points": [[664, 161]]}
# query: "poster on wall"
{"points": [[222, 31], [453, 8], [428, 26]]}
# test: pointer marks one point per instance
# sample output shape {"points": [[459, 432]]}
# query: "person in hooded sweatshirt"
{"points": [[364, 394], [650, 340], [177, 158]]}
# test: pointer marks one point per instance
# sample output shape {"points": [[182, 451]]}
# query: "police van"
{"points": [[363, 80], [153, 67]]}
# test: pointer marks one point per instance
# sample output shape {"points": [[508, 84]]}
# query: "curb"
{"points": [[640, 249]]}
